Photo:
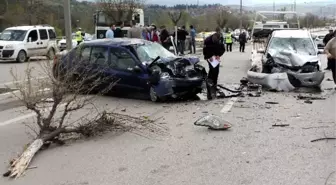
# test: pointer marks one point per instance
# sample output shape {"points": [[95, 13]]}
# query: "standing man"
{"points": [[118, 32], [164, 38], [330, 50], [242, 40], [134, 32], [213, 49], [79, 36], [154, 34], [326, 39], [192, 42], [109, 33], [229, 41], [181, 38]]}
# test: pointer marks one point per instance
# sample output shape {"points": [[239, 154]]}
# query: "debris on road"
{"points": [[213, 122], [325, 138], [302, 97], [308, 101], [280, 125], [271, 102]]}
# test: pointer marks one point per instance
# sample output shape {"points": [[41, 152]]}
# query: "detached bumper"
{"points": [[178, 87]]}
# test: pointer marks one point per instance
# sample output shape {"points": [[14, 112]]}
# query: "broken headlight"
{"points": [[164, 75]]}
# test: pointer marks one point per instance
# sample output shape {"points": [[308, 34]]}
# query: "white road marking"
{"points": [[227, 107], [8, 94], [14, 120], [20, 81]]}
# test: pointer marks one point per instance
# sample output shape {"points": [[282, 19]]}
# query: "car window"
{"points": [[121, 59], [33, 35], [300, 45], [52, 34], [85, 53], [99, 55], [43, 34]]}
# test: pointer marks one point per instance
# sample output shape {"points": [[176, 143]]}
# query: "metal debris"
{"points": [[213, 122]]}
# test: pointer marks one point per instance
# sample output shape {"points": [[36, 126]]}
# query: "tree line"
{"points": [[204, 18]]}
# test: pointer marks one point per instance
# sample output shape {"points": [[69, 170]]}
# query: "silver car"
{"points": [[290, 60]]}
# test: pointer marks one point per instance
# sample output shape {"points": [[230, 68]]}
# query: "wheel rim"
{"points": [[22, 56], [153, 94]]}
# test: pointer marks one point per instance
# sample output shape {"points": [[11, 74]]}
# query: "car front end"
{"points": [[8, 51], [178, 78]]}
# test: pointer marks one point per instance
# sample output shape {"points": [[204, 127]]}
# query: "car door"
{"points": [[127, 70], [32, 43], [43, 42]]}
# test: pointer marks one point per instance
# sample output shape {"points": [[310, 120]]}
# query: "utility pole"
{"points": [[67, 20], [241, 16]]}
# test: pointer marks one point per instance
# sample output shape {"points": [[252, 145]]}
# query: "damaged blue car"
{"points": [[137, 66]]}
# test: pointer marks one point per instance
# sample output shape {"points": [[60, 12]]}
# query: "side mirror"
{"points": [[261, 51], [29, 39]]}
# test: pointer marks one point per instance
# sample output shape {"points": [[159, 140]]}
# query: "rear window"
{"points": [[52, 34], [43, 34]]}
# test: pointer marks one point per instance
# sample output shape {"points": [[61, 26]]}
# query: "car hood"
{"points": [[291, 59], [4, 42]]}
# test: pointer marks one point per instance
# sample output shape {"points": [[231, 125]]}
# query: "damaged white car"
{"points": [[290, 59]]}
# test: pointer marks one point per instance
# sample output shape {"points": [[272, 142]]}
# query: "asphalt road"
{"points": [[252, 152]]}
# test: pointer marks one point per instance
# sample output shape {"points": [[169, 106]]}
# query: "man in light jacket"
{"points": [[134, 32]]}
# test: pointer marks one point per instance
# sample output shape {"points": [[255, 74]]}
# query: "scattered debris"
{"points": [[308, 101], [123, 110], [301, 97], [325, 138], [280, 125], [271, 102], [253, 95], [328, 79], [213, 122]]}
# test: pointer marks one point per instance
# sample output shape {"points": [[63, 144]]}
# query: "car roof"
{"points": [[117, 42], [28, 27], [291, 34]]}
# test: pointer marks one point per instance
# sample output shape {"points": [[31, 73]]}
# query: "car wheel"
{"points": [[51, 54], [22, 56], [153, 96]]}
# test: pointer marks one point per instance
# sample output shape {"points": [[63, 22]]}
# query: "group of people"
{"points": [[151, 33], [330, 49]]}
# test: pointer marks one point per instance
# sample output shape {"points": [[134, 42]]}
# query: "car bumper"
{"points": [[178, 87], [8, 55]]}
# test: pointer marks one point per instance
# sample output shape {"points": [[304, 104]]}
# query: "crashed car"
{"points": [[290, 60], [138, 65]]}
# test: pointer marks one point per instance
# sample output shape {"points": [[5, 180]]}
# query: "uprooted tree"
{"points": [[68, 87], [119, 10]]}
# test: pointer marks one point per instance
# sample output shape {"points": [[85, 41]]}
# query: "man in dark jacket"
{"points": [[213, 49], [164, 37], [242, 40], [181, 38], [118, 32], [326, 39]]}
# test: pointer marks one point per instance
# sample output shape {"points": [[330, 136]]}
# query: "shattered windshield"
{"points": [[13, 35], [147, 53], [303, 46]]}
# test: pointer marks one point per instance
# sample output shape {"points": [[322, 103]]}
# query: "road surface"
{"points": [[252, 152]]}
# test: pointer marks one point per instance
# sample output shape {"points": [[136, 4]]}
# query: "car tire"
{"points": [[51, 54], [22, 56], [153, 96]]}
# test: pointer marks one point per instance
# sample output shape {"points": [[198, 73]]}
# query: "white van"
{"points": [[22, 42]]}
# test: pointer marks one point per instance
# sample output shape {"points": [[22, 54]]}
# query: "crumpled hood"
{"points": [[192, 60], [291, 59]]}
